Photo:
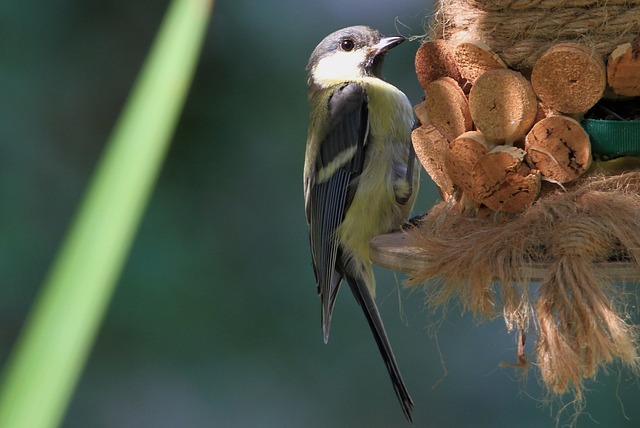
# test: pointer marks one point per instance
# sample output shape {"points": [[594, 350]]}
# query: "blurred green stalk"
{"points": [[51, 351]]}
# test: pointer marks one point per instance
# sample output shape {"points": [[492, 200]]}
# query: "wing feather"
{"points": [[331, 187]]}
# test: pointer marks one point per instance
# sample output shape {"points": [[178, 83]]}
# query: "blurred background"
{"points": [[215, 321]]}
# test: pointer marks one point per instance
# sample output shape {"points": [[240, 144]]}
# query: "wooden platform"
{"points": [[392, 251]]}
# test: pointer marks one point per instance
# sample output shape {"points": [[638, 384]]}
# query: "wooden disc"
{"points": [[623, 70], [503, 182], [462, 155], [447, 108], [434, 60], [421, 113], [569, 78], [474, 58], [559, 147], [430, 146], [503, 105]]}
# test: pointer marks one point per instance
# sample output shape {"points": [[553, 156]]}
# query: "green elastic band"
{"points": [[613, 137]]}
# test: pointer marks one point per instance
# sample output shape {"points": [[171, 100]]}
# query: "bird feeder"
{"points": [[530, 130]]}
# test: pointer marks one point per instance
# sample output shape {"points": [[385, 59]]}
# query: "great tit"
{"points": [[359, 175]]}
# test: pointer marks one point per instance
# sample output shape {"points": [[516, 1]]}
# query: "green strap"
{"points": [[613, 137]]}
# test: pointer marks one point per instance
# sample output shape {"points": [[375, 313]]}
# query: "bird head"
{"points": [[350, 54]]}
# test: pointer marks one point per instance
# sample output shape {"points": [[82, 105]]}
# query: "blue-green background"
{"points": [[215, 322]]}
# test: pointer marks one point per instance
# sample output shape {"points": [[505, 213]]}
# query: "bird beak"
{"points": [[377, 53], [387, 43]]}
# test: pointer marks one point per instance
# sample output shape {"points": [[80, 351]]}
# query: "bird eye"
{"points": [[347, 45]]}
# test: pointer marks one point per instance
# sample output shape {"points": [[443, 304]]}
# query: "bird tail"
{"points": [[328, 301], [365, 300]]}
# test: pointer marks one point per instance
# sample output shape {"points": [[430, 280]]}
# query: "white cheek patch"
{"points": [[339, 67]]}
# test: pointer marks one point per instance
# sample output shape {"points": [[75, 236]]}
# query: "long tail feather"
{"points": [[363, 296]]}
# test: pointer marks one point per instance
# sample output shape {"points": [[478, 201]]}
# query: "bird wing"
{"points": [[331, 187]]}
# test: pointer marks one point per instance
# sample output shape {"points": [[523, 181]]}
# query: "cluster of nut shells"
{"points": [[496, 133]]}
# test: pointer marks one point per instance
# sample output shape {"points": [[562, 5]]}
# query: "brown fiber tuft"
{"points": [[582, 318]]}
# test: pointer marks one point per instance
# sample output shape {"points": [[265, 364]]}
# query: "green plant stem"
{"points": [[52, 349]]}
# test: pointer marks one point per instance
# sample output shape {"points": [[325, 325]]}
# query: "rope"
{"points": [[520, 30]]}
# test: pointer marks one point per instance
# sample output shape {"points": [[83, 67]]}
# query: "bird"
{"points": [[359, 174]]}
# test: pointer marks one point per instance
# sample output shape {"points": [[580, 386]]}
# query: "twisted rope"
{"points": [[520, 30]]}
